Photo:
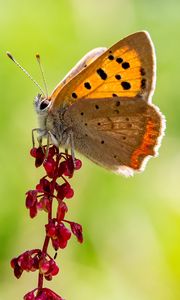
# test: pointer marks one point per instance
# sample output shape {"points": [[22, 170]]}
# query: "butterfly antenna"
{"points": [[28, 75], [42, 73]]}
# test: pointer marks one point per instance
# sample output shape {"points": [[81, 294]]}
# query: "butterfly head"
{"points": [[50, 122], [42, 105]]}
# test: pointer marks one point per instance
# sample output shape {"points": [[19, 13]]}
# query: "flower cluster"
{"points": [[44, 294], [58, 167], [34, 260]]}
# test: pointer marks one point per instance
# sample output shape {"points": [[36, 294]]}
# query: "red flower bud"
{"points": [[49, 165], [78, 164], [77, 231], [44, 266], [61, 211], [33, 152], [51, 229], [31, 198], [64, 191], [39, 156], [69, 193], [29, 296], [45, 204]]}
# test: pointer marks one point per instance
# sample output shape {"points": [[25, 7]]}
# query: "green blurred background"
{"points": [[131, 226]]}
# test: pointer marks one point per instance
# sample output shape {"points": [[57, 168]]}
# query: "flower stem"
{"points": [[40, 282]]}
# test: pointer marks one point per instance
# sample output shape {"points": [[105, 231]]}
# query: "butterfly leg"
{"points": [[48, 144], [66, 150], [71, 142], [50, 139], [41, 133], [33, 138], [68, 133]]}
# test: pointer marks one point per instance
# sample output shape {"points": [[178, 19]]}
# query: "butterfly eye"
{"points": [[44, 104]]}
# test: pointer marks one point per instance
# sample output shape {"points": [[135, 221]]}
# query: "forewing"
{"points": [[83, 63], [119, 134], [125, 70]]}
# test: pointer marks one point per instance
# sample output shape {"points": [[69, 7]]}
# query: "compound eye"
{"points": [[44, 104]]}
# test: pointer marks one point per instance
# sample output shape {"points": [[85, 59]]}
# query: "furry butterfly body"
{"points": [[103, 108]]}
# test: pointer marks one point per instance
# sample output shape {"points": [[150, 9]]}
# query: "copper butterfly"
{"points": [[103, 107]]}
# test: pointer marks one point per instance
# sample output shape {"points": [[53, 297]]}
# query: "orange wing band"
{"points": [[147, 146]]}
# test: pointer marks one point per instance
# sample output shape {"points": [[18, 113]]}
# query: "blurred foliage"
{"points": [[131, 226]]}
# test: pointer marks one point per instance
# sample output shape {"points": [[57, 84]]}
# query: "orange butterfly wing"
{"points": [[83, 63], [127, 69]]}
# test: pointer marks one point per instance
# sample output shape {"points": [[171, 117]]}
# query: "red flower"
{"points": [[31, 201], [44, 186], [78, 164], [44, 294], [61, 211], [58, 233], [77, 231], [33, 260], [44, 204], [57, 166], [29, 296], [24, 262], [49, 165], [48, 268], [17, 269], [64, 191], [67, 167], [39, 155]]}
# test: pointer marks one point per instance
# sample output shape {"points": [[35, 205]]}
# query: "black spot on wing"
{"points": [[126, 85], [142, 71], [74, 95], [87, 85], [125, 65], [102, 74], [119, 60], [143, 83], [111, 57], [118, 77]]}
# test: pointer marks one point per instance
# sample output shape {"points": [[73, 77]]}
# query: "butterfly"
{"points": [[103, 107]]}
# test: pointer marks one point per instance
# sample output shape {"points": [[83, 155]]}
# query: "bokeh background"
{"points": [[131, 226]]}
